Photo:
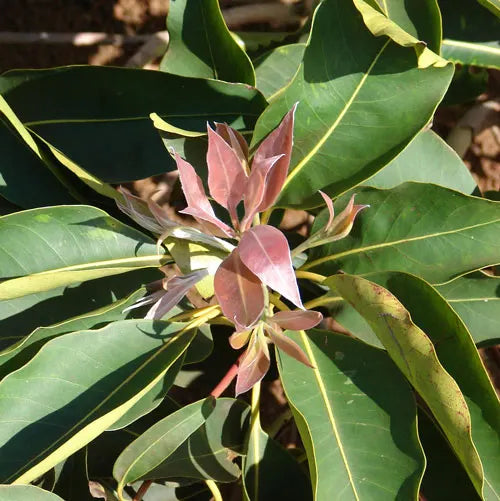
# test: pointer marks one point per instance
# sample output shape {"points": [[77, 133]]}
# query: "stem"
{"points": [[300, 248], [196, 313], [309, 275], [254, 433], [227, 379], [142, 490], [321, 301], [278, 302], [266, 216], [214, 490]]}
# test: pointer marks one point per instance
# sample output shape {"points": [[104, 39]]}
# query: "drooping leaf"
{"points": [[270, 472], [209, 452], [422, 229], [51, 247], [79, 385], [264, 251], [226, 176], [288, 346], [353, 117], [274, 69], [416, 357], [357, 419], [71, 106], [476, 299], [427, 159], [148, 451], [198, 205], [24, 179], [239, 292], [201, 45], [21, 352], [24, 492], [255, 363]]}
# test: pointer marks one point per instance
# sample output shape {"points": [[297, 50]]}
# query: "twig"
{"points": [[227, 379], [142, 490], [217, 496]]}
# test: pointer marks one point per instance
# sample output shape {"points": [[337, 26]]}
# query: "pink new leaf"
{"points": [[254, 364], [239, 292], [280, 141], [297, 320], [255, 189], [331, 210], [289, 346], [138, 210], [198, 205], [226, 176], [235, 140], [343, 223], [264, 251], [176, 289]]}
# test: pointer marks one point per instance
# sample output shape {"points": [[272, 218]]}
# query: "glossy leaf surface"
{"points": [[357, 419], [352, 118], [200, 44], [415, 355], [427, 159], [52, 247], [79, 385], [422, 229], [71, 106]]}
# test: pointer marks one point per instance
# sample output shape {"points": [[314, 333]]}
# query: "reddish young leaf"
{"points": [[289, 346], [297, 320], [198, 205], [138, 210], [239, 339], [331, 210], [239, 292], [235, 140], [264, 250], [176, 289], [226, 177], [280, 141], [255, 363], [343, 223], [255, 189]]}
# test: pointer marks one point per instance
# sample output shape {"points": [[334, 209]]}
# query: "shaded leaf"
{"points": [[476, 299], [264, 251], [357, 419], [71, 244], [201, 45], [71, 106], [255, 363], [79, 385], [353, 117], [423, 229], [24, 492], [416, 357]]}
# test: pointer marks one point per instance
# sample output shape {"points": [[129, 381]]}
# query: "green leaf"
{"points": [[21, 352], [423, 229], [427, 159], [470, 33], [201, 45], [457, 353], [353, 115], [270, 472], [276, 68], [444, 478], [476, 299], [392, 18], [72, 481], [51, 247], [492, 5], [76, 387], [209, 451], [25, 492], [147, 452], [21, 316], [24, 179], [415, 355], [357, 419], [98, 117]]}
